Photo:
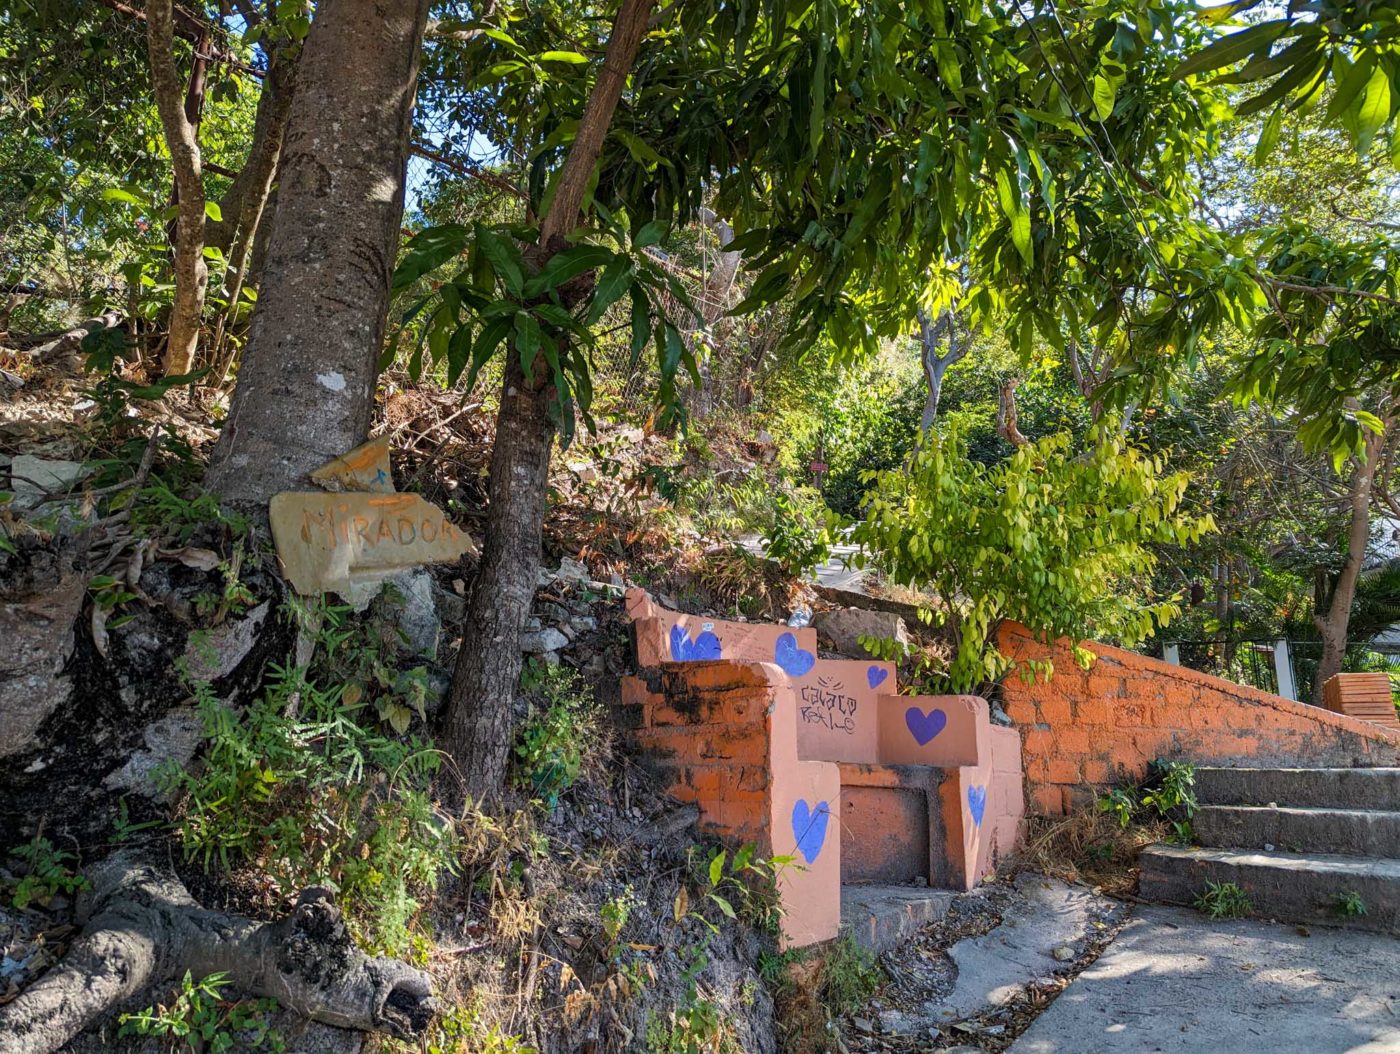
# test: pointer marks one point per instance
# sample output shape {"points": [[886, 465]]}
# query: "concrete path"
{"points": [[833, 572], [1175, 981]]}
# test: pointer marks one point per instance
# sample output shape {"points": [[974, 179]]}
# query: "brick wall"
{"points": [[1086, 728]]}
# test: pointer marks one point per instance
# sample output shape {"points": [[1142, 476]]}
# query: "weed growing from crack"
{"points": [[1224, 900]]}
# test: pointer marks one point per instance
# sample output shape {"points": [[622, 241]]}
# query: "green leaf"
{"points": [[1268, 137], [1105, 94], [723, 905], [1372, 110], [123, 195], [573, 58], [1230, 49], [458, 353], [674, 350], [505, 259], [212, 210], [649, 235], [428, 250], [610, 287], [641, 324], [717, 867], [563, 266]]}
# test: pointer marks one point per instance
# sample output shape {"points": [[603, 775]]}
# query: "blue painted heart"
{"points": [[683, 649], [924, 726], [977, 802], [809, 828], [794, 661], [876, 675]]}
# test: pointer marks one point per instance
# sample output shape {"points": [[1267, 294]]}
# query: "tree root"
{"points": [[144, 927]]}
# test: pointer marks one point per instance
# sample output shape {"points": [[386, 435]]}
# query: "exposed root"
{"points": [[144, 927]]}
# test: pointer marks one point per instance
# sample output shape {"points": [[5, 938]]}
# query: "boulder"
{"points": [[840, 629]]}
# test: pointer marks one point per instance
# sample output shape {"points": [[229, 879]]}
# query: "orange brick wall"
{"points": [[1086, 728], [704, 727]]}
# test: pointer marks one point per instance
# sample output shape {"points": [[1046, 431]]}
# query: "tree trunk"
{"points": [[936, 365], [191, 273], [305, 391], [1334, 624], [243, 202], [244, 205], [478, 725], [1006, 414]]}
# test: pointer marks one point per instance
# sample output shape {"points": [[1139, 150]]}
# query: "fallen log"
{"points": [[143, 927]]}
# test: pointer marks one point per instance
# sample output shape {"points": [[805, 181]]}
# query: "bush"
{"points": [[1057, 540], [309, 785], [562, 726]]}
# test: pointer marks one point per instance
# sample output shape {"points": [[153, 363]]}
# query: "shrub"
{"points": [[1350, 905], [1057, 540], [310, 786], [562, 726], [201, 1021], [850, 975]]}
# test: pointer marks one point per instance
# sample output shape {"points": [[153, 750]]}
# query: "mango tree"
{"points": [[850, 147]]}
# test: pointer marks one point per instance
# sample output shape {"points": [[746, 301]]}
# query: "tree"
{"points": [[181, 125], [1056, 540], [306, 386], [802, 129]]}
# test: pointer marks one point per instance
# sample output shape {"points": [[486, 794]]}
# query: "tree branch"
{"points": [[628, 29], [463, 168]]}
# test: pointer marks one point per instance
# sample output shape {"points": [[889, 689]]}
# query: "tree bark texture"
{"points": [[478, 724], [191, 272], [1333, 625], [305, 391], [478, 727], [143, 927]]}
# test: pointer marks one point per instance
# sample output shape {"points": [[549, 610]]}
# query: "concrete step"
{"points": [[879, 917], [1377, 788], [1360, 832], [1296, 887]]}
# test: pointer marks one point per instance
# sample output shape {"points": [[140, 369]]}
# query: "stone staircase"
{"points": [[1294, 840]]}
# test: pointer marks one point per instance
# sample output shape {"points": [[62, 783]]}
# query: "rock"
{"points": [[418, 621], [584, 623], [861, 1024], [36, 640], [800, 618], [451, 604], [571, 571], [217, 652], [366, 468], [541, 641], [1064, 953], [839, 630], [33, 477], [174, 737]]}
